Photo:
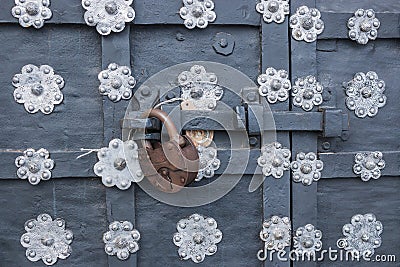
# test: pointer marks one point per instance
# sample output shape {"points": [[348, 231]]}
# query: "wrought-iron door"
{"points": [[155, 40]]}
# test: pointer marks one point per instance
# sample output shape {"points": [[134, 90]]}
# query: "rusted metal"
{"points": [[170, 165], [166, 120]]}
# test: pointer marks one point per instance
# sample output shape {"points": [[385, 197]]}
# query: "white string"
{"points": [[89, 151], [169, 101]]}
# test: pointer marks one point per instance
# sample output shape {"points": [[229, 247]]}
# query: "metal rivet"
{"points": [[198, 84], [306, 24], [37, 88], [145, 91], [223, 43], [34, 13], [43, 244], [253, 141], [251, 97], [196, 241], [113, 19], [201, 13], [326, 145], [362, 227], [359, 89], [116, 82], [275, 237], [110, 157]]}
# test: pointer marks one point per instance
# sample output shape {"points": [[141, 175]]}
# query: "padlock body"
{"points": [[169, 166]]}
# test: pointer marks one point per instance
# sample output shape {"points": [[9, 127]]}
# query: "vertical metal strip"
{"points": [[276, 192], [120, 204], [304, 198]]}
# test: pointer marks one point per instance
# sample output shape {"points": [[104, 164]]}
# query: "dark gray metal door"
{"points": [[156, 40], [341, 193]]}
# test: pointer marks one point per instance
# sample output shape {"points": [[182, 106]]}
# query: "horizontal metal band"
{"points": [[66, 12], [336, 25], [285, 121], [330, 121], [238, 12], [336, 165], [193, 120], [65, 164], [340, 165]]}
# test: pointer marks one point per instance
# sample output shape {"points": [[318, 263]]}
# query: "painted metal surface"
{"points": [[74, 183]]}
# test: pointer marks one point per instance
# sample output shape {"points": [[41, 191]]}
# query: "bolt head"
{"points": [[276, 162], [111, 7], [116, 83], [370, 165], [366, 26], [223, 42], [145, 92], [366, 92], [307, 23], [308, 94], [365, 237], [32, 8], [197, 11], [306, 168], [37, 89], [198, 238], [251, 97], [308, 243], [276, 84], [279, 234]]}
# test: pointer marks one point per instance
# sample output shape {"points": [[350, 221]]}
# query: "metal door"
{"points": [[154, 41]]}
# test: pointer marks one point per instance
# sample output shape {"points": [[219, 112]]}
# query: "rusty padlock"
{"points": [[170, 165]]}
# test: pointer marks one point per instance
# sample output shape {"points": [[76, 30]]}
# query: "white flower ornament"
{"points": [[108, 15], [197, 13], [32, 12]]}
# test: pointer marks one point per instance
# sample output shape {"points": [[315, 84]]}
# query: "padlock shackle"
{"points": [[167, 121]]}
